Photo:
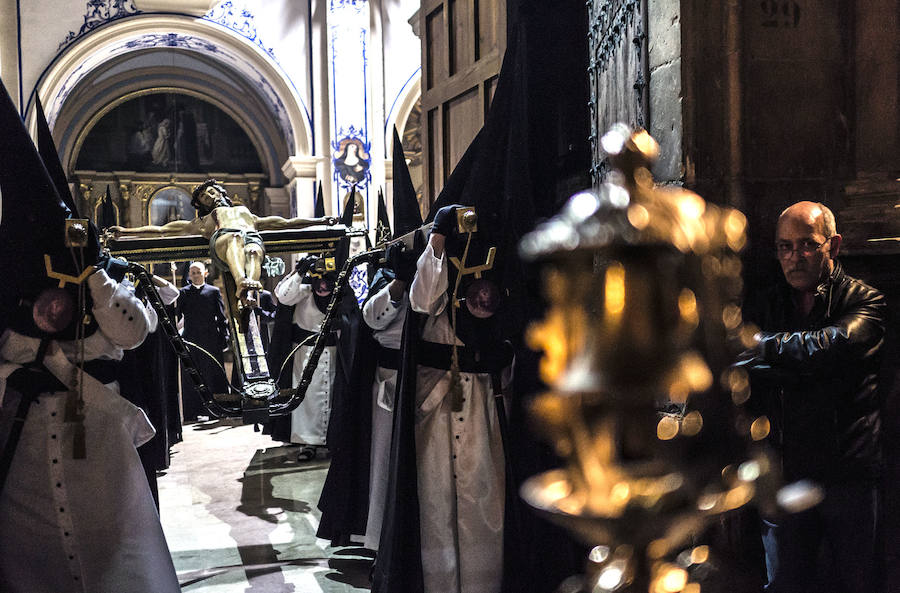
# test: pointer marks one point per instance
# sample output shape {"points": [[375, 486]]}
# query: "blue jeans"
{"points": [[829, 548]]}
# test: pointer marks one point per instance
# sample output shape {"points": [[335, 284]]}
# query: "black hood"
{"points": [[33, 224], [342, 252], [319, 206], [407, 216], [383, 225]]}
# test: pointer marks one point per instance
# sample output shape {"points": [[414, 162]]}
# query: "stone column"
{"points": [[9, 48], [302, 173]]}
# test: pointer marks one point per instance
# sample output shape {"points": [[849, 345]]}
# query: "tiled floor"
{"points": [[239, 512]]}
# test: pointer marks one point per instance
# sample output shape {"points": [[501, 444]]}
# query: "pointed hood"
{"points": [[50, 156], [383, 228], [342, 253], [319, 205], [495, 176], [107, 215], [32, 224], [349, 207], [407, 215]]}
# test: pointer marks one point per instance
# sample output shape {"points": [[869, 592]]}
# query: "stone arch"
{"points": [[99, 95], [399, 115], [262, 100], [403, 105]]}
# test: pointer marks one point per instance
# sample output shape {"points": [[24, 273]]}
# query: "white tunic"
{"points": [[386, 318], [83, 525], [460, 462], [309, 421]]}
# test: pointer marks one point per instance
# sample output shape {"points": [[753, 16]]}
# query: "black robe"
{"points": [[344, 501], [148, 378], [277, 353], [398, 567], [205, 324]]}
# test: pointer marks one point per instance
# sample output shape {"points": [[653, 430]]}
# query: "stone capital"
{"points": [[192, 7], [302, 167]]}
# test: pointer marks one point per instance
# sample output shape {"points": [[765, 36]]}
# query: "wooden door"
{"points": [[463, 42]]}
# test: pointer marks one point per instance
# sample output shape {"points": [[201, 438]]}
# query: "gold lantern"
{"points": [[643, 284]]}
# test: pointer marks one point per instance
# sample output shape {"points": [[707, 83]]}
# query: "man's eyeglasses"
{"points": [[805, 248]]}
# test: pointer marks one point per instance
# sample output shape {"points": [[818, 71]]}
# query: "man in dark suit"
{"points": [[206, 326]]}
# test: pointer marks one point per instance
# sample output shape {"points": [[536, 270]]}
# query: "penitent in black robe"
{"points": [[345, 495]]}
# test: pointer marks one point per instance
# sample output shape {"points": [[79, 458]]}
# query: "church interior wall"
{"points": [[401, 60], [291, 36], [45, 27], [664, 55], [277, 27]]}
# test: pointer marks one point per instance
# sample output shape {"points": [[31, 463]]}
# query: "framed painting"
{"points": [[168, 132], [168, 204]]}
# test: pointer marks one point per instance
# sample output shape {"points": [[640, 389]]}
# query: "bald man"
{"points": [[814, 375]]}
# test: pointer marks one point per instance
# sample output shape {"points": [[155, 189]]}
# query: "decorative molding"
{"points": [[142, 188], [301, 166], [192, 7], [171, 40], [192, 43], [239, 20], [414, 24], [143, 192], [99, 12], [356, 5]]}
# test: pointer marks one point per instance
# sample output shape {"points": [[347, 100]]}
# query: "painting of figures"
{"points": [[171, 133]]}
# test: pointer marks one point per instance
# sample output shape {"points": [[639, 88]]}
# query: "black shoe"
{"points": [[307, 453]]}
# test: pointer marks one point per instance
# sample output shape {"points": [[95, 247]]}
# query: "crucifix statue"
{"points": [[233, 233]]}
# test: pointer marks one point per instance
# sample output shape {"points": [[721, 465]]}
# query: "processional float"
{"points": [[643, 285], [259, 396]]}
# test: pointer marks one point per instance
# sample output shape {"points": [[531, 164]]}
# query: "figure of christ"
{"points": [[233, 232]]}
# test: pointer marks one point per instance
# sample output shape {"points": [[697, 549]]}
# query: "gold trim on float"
{"points": [[157, 255]]}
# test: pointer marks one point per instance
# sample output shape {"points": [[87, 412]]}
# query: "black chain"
{"points": [[179, 345], [299, 393]]}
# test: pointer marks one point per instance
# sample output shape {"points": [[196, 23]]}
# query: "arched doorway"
{"points": [[203, 63], [164, 139]]}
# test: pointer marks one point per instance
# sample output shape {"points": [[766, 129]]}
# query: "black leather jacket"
{"points": [[816, 379]]}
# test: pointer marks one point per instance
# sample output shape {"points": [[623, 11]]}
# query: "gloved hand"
{"points": [[402, 261], [304, 264], [445, 220], [114, 267]]}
